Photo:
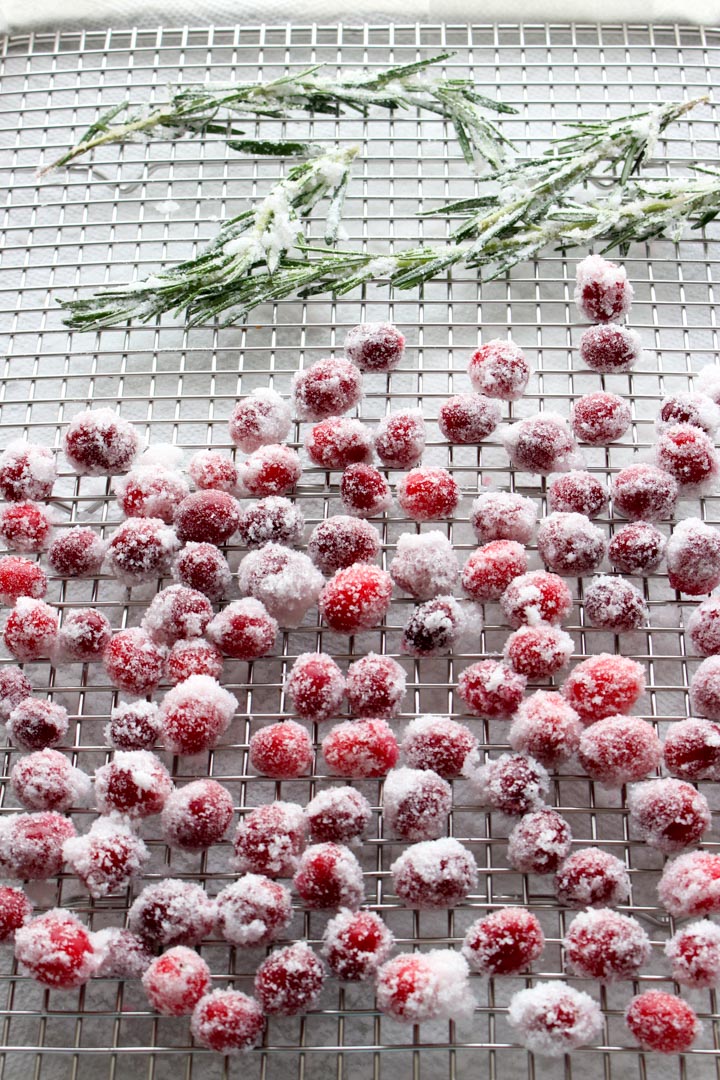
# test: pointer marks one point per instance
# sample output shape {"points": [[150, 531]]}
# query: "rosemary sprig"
{"points": [[209, 108]]}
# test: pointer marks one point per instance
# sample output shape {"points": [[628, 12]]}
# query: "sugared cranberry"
{"points": [[283, 579], [141, 550], [83, 636], [693, 557], [604, 685], [270, 839], [227, 1021], [591, 877], [612, 603], [489, 570], [491, 689], [694, 953], [203, 568], [197, 815], [499, 370], [355, 944], [441, 625], [31, 845], [175, 981], [15, 911], [539, 842], [416, 803], [504, 942], [134, 725], [207, 517], [195, 714], [425, 986], [703, 627], [35, 724], [637, 548], [538, 651], [283, 750], [31, 630], [120, 953], [340, 541], [602, 289], [400, 439], [577, 492], [425, 564], [503, 515], [315, 686], [289, 981], [194, 657], [271, 520], [338, 442], [14, 688], [375, 346], [644, 493], [339, 815], [260, 419], [360, 748], [25, 526], [688, 455], [536, 597], [437, 743], [364, 491], [690, 885], [468, 418], [107, 858], [692, 750], [329, 876], [619, 750], [541, 444], [552, 1019], [79, 552], [173, 912], [27, 471], [135, 782], [356, 598], [375, 686], [46, 780], [56, 950], [434, 874], [547, 728], [600, 418], [327, 388], [603, 945], [570, 545], [151, 491], [21, 577], [662, 1022], [210, 469], [610, 348], [177, 613], [98, 442], [252, 911], [243, 630], [668, 814], [688, 408], [428, 493], [513, 783], [133, 662]]}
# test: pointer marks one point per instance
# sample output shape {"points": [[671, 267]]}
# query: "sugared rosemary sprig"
{"points": [[208, 108]]}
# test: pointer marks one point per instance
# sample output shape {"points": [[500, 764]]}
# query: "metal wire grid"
{"points": [[154, 202]]}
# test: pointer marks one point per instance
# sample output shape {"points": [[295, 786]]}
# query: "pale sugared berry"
{"points": [[211, 469], [107, 858], [339, 441], [688, 454], [121, 954], [84, 635], [355, 944], [400, 439], [15, 911], [339, 815], [539, 842], [27, 471], [503, 515], [541, 444], [619, 750], [591, 877], [197, 815], [425, 564], [489, 570], [252, 911], [374, 346], [612, 603], [283, 579], [327, 388], [536, 597], [437, 743], [14, 688], [270, 839], [172, 912], [31, 845], [272, 520], [31, 630], [694, 953], [133, 662], [141, 549], [418, 986], [434, 874], [46, 780], [693, 557], [603, 945], [692, 750], [553, 1019], [690, 885], [98, 442], [577, 492], [644, 493], [194, 657], [203, 568], [499, 370], [135, 783], [538, 651], [177, 613], [289, 981], [79, 552], [134, 725], [637, 548], [26, 526], [668, 814], [416, 804], [315, 686], [259, 419], [602, 289], [35, 724], [271, 470], [687, 408], [600, 418], [375, 686], [469, 418], [440, 625], [491, 689], [512, 783], [151, 491], [227, 1021], [610, 348], [329, 876], [570, 545], [340, 541]]}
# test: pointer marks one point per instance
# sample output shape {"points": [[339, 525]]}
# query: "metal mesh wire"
{"points": [[153, 202]]}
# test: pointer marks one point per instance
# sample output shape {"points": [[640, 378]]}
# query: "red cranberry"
{"points": [[512, 784], [375, 686], [15, 911], [21, 577], [668, 814], [134, 725], [338, 542], [194, 657], [569, 544], [327, 388], [618, 750], [56, 950], [499, 370], [27, 471], [437, 743], [489, 570], [539, 842], [602, 290], [30, 630], [272, 520], [25, 526], [141, 550], [538, 651], [491, 689], [31, 845], [98, 442], [45, 780], [690, 885], [283, 579], [14, 688], [605, 946], [364, 491], [356, 598], [177, 613], [197, 815], [135, 782], [329, 876], [338, 442], [271, 470], [600, 418], [207, 517], [688, 455], [243, 630], [541, 444], [151, 491], [536, 597], [577, 492], [440, 625], [173, 912], [425, 986], [339, 815], [434, 874], [693, 557], [662, 1022], [703, 627], [553, 1019], [195, 714], [253, 911], [108, 858], [611, 603], [83, 636], [377, 346], [610, 348], [133, 662], [644, 492], [289, 981], [175, 981], [428, 493], [637, 548], [355, 944], [604, 685], [697, 409], [360, 748], [694, 953], [592, 878], [468, 418], [505, 942], [283, 751], [79, 552], [260, 419], [416, 803], [400, 439], [227, 1021], [503, 515], [35, 724], [315, 686], [203, 568], [270, 839], [692, 750], [210, 469]]}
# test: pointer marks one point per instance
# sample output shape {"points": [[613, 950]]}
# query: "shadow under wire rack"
{"points": [[156, 202]]}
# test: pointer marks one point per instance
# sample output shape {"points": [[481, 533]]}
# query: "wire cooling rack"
{"points": [[153, 202]]}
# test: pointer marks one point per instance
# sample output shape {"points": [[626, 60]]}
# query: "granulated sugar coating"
{"points": [[610, 348], [15, 911], [416, 804], [603, 945], [339, 815], [438, 626], [109, 857], [425, 564], [274, 519], [289, 981], [141, 549], [694, 953], [56, 949], [175, 981], [539, 842], [693, 557], [315, 686], [261, 418], [340, 541], [197, 815], [434, 874], [356, 598], [133, 662], [83, 636], [690, 885], [47, 780], [536, 597], [503, 515], [213, 469], [360, 748], [570, 545], [668, 814], [31, 845], [31, 630], [703, 627], [208, 517], [692, 750], [489, 571], [541, 444], [364, 491], [591, 877], [355, 944], [283, 751], [603, 685], [547, 728], [602, 289], [504, 942], [14, 688], [619, 750], [577, 492], [78, 552], [21, 577], [203, 568], [26, 526], [612, 603], [400, 439], [270, 839], [195, 714], [491, 689], [177, 613], [98, 442], [227, 1021], [35, 723], [252, 911], [428, 493], [499, 369], [375, 686], [689, 408], [283, 579], [600, 418], [467, 419], [538, 651], [637, 548], [338, 442], [413, 987], [512, 783], [662, 1022], [689, 455], [151, 491], [327, 388], [644, 493], [553, 1018], [244, 630], [135, 783], [375, 346], [27, 471], [194, 657], [172, 912], [120, 953], [705, 689], [437, 743], [134, 725], [329, 876]]}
